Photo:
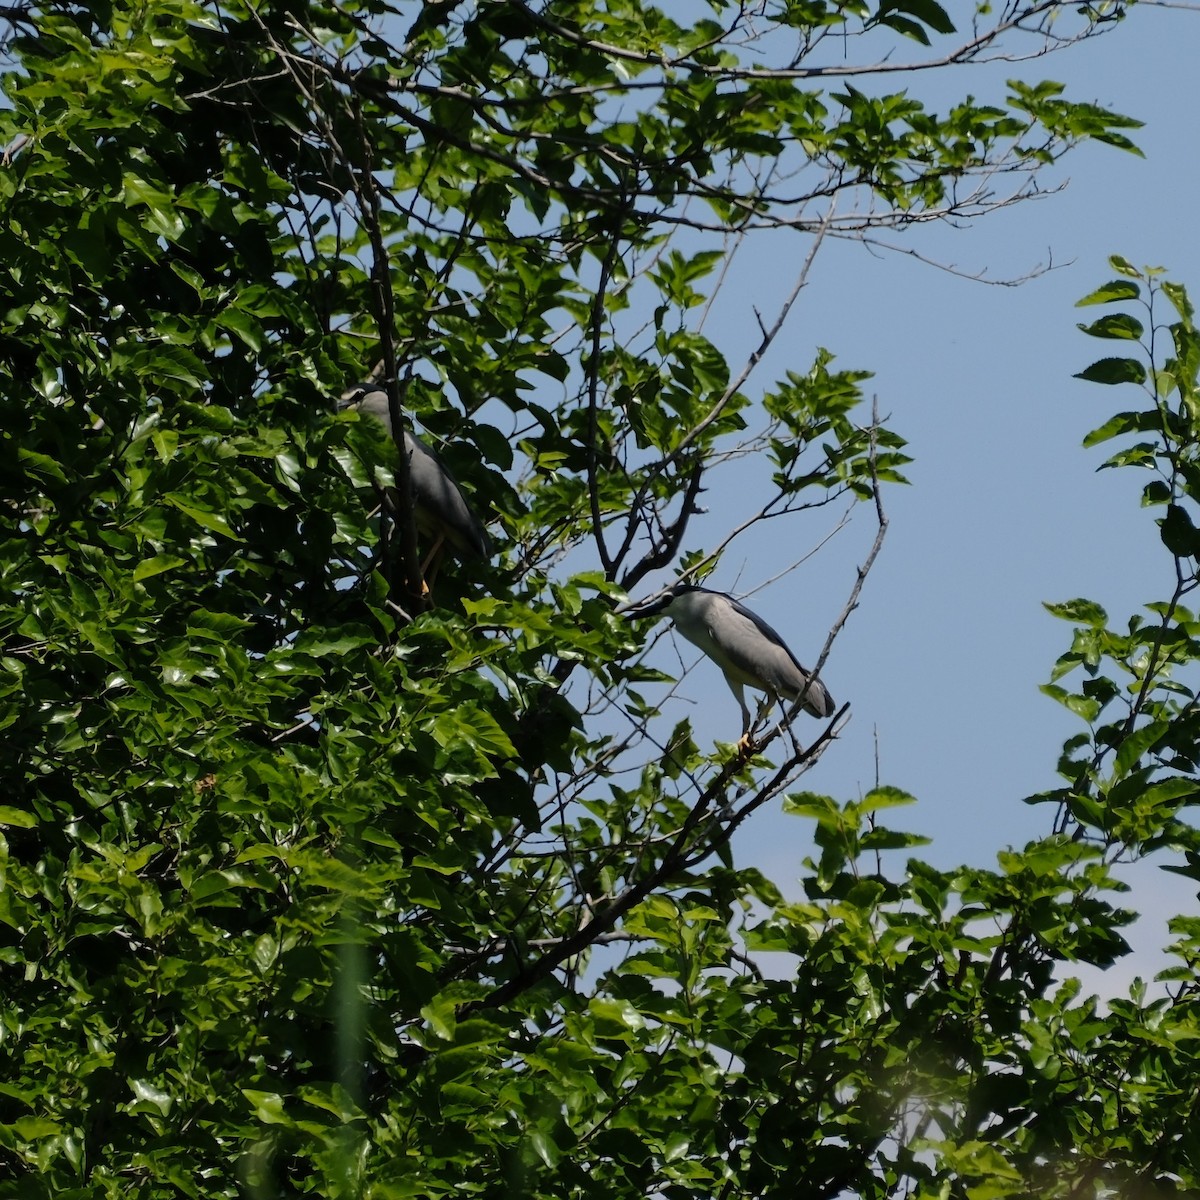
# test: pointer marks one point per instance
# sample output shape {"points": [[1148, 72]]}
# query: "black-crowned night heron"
{"points": [[439, 509], [748, 651]]}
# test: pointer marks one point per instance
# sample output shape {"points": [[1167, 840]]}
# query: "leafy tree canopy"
{"points": [[319, 883]]}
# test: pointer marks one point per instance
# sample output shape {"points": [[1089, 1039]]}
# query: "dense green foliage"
{"points": [[312, 885]]}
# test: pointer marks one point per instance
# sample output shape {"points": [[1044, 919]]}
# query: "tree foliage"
{"points": [[316, 885]]}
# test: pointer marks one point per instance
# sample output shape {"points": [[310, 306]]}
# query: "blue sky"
{"points": [[943, 659]]}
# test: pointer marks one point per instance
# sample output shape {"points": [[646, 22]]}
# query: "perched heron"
{"points": [[748, 651], [440, 511]]}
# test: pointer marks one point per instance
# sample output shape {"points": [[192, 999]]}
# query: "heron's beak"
{"points": [[645, 608]]}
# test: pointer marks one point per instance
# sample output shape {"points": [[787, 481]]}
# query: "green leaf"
{"points": [[892, 839], [32, 1128], [906, 26], [884, 797], [1081, 612], [1114, 290], [1086, 707], [811, 804], [268, 1106], [205, 517], [243, 325], [929, 12], [1178, 533], [442, 1016], [163, 217], [41, 465], [160, 361], [1114, 370], [1135, 746], [1122, 423], [1156, 492], [617, 1012], [1178, 296], [157, 565], [1114, 325], [544, 1146], [1171, 793], [147, 1093]]}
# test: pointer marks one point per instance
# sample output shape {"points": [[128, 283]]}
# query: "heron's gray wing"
{"points": [[440, 506], [437, 497], [763, 657]]}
